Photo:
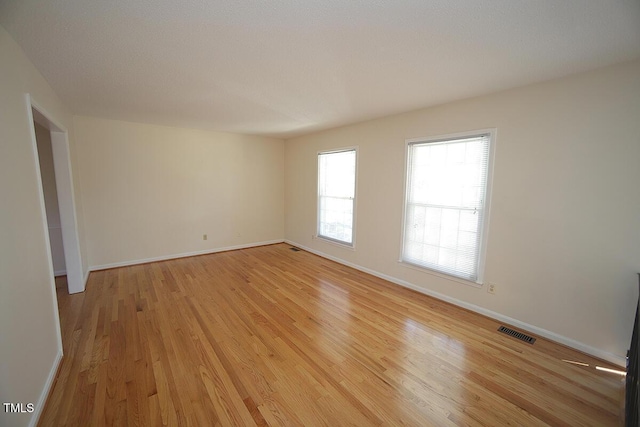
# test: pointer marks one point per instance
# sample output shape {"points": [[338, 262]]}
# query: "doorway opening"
{"points": [[50, 193], [51, 149]]}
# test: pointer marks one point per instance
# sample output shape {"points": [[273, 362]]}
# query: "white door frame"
{"points": [[64, 187]]}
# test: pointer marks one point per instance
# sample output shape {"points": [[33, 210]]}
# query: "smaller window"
{"points": [[336, 195]]}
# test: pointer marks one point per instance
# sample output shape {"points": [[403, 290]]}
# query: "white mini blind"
{"points": [[336, 195], [445, 204]]}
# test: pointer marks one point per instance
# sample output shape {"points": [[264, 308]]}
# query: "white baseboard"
{"points": [[596, 352], [42, 400], [182, 255], [60, 273]]}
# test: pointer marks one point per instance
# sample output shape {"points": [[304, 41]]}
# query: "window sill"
{"points": [[337, 243], [440, 275]]}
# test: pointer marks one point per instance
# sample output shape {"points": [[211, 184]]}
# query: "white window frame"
{"points": [[327, 239], [484, 228]]}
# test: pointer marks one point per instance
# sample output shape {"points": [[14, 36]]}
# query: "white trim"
{"points": [[45, 225], [593, 351], [333, 242], [439, 274], [67, 206], [86, 277], [60, 273], [42, 400], [182, 255]]}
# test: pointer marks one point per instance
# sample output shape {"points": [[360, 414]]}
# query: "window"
{"points": [[445, 205], [336, 195]]}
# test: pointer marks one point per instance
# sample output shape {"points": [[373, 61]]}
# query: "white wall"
{"points": [[153, 191], [29, 344], [564, 237], [48, 176]]}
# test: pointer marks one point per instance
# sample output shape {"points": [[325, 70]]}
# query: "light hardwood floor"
{"points": [[269, 336]]}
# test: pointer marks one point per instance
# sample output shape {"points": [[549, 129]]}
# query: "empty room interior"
{"points": [[421, 213]]}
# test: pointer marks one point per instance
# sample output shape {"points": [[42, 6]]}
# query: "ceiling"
{"points": [[289, 67]]}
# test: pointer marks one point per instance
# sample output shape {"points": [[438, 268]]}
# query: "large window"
{"points": [[336, 195], [445, 207]]}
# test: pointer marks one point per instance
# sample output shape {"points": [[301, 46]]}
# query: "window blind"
{"points": [[445, 204]]}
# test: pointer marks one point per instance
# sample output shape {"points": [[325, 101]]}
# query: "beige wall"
{"points": [[29, 343], [48, 176], [564, 237], [153, 191]]}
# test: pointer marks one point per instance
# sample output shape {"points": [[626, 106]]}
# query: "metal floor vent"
{"points": [[518, 335], [294, 249]]}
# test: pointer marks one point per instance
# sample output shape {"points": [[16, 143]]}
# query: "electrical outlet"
{"points": [[491, 288], [204, 237]]}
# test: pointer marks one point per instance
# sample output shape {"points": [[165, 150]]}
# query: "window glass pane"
{"points": [[337, 174], [336, 194]]}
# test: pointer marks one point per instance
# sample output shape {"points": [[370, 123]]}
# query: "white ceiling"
{"points": [[289, 67]]}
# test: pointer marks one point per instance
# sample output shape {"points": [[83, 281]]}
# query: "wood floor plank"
{"points": [[270, 337]]}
